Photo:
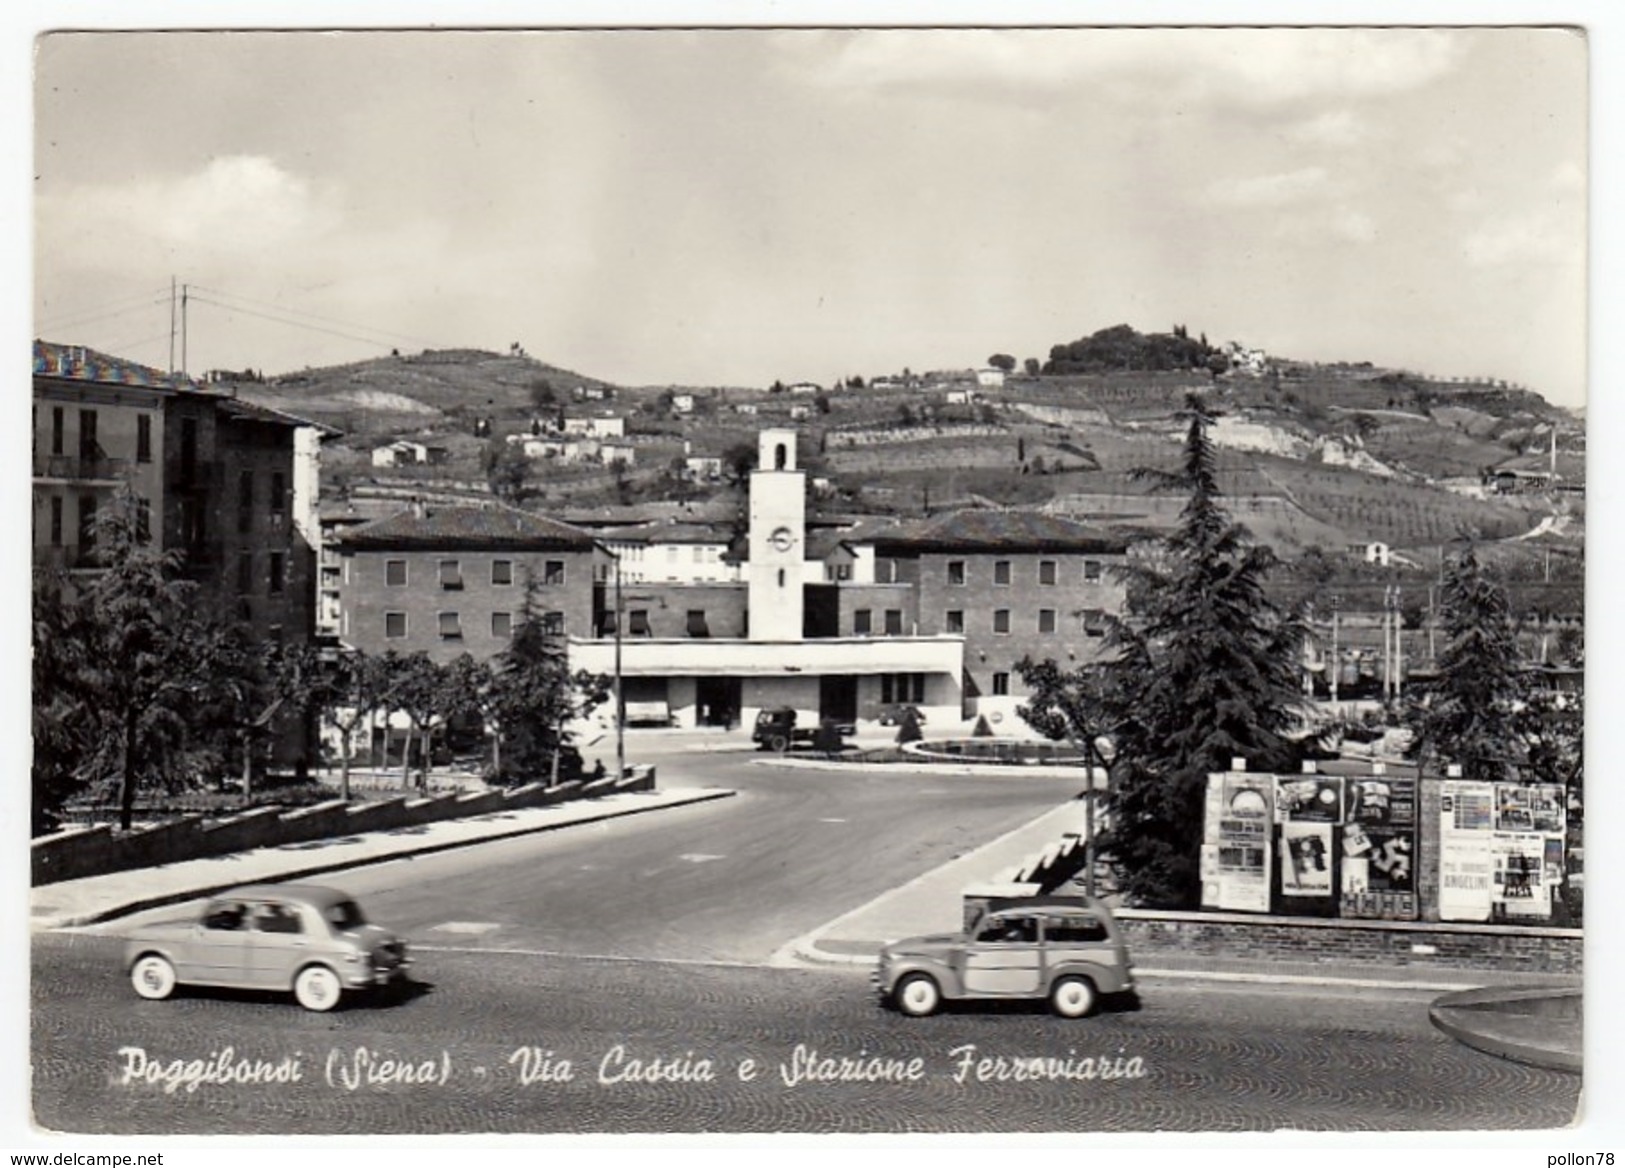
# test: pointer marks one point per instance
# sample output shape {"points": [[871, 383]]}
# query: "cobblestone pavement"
{"points": [[485, 1027]]}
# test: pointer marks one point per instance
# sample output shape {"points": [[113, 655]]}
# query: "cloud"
{"points": [[1269, 190], [1353, 226], [235, 206], [1333, 128], [1248, 66], [1540, 236]]}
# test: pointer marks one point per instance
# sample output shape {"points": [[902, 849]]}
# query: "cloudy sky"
{"points": [[731, 207]]}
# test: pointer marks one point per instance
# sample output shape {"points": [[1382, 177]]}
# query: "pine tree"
{"points": [[1471, 717], [1203, 670]]}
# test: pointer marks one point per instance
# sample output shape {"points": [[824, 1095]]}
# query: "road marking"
{"points": [[832, 821], [472, 928], [485, 951], [700, 857]]}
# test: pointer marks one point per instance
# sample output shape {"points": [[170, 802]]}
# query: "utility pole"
{"points": [[172, 324], [1335, 665], [620, 703], [184, 297]]}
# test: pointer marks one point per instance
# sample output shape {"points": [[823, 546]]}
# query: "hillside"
{"points": [[1325, 456]]}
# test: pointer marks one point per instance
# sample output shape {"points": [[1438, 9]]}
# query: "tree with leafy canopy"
{"points": [[1470, 717], [1203, 669], [64, 718], [507, 469], [417, 687], [143, 654], [352, 687], [536, 697], [1003, 362]]}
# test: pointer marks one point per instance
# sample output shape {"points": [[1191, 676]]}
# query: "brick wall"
{"points": [[1506, 948], [367, 597]]}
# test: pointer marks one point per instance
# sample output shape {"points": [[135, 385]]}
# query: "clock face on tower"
{"points": [[782, 539]]}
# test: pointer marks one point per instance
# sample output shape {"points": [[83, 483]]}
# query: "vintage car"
{"points": [[1066, 949], [776, 730], [306, 938]]}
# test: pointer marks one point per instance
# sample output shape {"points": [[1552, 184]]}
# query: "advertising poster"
{"points": [[1309, 799], [1518, 863], [1465, 867], [1241, 881], [1306, 859], [1380, 801]]}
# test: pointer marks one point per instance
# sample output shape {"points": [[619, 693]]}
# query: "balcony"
{"points": [[67, 468], [724, 657]]}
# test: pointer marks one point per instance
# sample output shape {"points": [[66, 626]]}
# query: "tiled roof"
{"points": [[979, 530], [236, 407], [77, 363], [451, 527]]}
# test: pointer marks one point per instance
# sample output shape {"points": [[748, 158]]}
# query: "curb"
{"points": [[99, 916], [809, 953], [1450, 1014]]}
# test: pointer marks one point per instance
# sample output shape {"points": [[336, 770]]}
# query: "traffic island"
{"points": [[1543, 1027]]}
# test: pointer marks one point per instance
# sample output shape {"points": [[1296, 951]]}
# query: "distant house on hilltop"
{"points": [[404, 453]]}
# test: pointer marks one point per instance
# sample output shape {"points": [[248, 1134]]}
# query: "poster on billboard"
{"points": [[1517, 861], [1240, 843], [1465, 865], [1380, 801], [1306, 859], [1309, 799]]}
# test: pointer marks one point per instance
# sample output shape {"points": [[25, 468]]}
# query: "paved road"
{"points": [[728, 880], [650, 936], [1205, 1058]]}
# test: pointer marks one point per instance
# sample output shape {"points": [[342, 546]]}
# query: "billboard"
{"points": [[1466, 822], [1378, 848], [1236, 849]]}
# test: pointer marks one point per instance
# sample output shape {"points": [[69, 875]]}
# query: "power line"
{"points": [[291, 323], [90, 316], [325, 320]]}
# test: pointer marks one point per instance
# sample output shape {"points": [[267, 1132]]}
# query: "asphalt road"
{"points": [[485, 1039], [645, 940]]}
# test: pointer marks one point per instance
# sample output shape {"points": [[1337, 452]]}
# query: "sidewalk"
{"points": [[99, 898], [932, 903]]}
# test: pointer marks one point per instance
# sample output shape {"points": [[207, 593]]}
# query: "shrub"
{"points": [[983, 730]]}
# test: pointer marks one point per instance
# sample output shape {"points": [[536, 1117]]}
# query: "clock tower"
{"points": [[778, 522]]}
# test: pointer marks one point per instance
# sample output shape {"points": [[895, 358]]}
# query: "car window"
{"points": [[277, 918], [1009, 931], [225, 916], [1074, 931], [346, 914]]}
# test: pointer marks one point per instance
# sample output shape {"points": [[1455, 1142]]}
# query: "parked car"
{"points": [[894, 714], [776, 729], [1066, 949], [306, 938]]}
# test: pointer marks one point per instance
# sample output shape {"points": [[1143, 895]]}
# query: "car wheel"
{"points": [[778, 743], [153, 977], [1073, 997], [317, 988], [918, 995]]}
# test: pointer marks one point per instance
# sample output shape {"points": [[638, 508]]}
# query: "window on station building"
{"points": [[861, 622], [1091, 571], [56, 520], [279, 496], [1046, 571], [143, 438], [451, 627], [502, 571], [1094, 622], [1001, 685], [894, 622], [1001, 572], [245, 501], [953, 621], [553, 572], [553, 624], [394, 625], [637, 623], [278, 573], [1001, 620], [395, 573], [1046, 620], [245, 572], [502, 625], [902, 687], [956, 571], [696, 623], [451, 575]]}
